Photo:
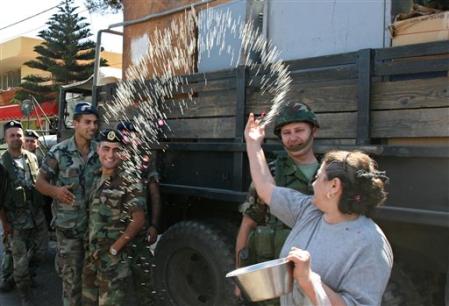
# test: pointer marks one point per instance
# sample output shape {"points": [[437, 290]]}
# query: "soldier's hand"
{"points": [[64, 195], [152, 234], [6, 229]]}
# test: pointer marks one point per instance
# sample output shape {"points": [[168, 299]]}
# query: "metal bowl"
{"points": [[266, 280]]}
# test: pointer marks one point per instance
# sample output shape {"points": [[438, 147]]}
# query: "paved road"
{"points": [[48, 290]]}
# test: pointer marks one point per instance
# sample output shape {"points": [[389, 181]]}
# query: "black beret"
{"points": [[127, 126], [83, 108], [111, 135], [12, 124], [31, 133]]}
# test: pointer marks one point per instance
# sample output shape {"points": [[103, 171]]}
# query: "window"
{"points": [[10, 79]]}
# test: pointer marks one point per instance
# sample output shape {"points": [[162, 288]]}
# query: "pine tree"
{"points": [[102, 6], [67, 52]]}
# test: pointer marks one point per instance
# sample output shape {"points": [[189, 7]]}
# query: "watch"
{"points": [[112, 251]]}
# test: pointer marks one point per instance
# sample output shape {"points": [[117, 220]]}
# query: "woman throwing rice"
{"points": [[341, 256]]}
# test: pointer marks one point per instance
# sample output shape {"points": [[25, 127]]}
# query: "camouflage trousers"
{"points": [[105, 278], [69, 265], [7, 262], [141, 271], [29, 247]]}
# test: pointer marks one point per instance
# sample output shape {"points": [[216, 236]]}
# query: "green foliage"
{"points": [[436, 4], [102, 6], [67, 41]]}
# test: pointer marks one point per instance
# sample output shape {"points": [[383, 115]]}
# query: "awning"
{"points": [[13, 112]]}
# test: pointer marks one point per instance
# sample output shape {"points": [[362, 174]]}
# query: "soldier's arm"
{"points": [[61, 194], [4, 185], [153, 187], [5, 224], [135, 204], [155, 198], [133, 228], [241, 243], [254, 213], [48, 170]]}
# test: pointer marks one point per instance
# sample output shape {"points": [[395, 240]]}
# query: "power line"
{"points": [[25, 19], [31, 30]]}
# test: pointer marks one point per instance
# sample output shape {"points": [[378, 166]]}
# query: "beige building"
{"points": [[14, 53]]}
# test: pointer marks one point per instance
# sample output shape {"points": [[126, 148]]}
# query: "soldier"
{"points": [[7, 280], [23, 208], [116, 216], [70, 166], [31, 144], [261, 235], [142, 256]]}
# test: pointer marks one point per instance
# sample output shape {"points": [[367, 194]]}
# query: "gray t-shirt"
{"points": [[353, 258]]}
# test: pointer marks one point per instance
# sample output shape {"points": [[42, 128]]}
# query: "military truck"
{"points": [[392, 103]]}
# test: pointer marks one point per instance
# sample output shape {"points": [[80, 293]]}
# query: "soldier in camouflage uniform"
{"points": [[262, 235], [23, 207], [116, 216], [141, 266], [66, 175], [31, 144], [6, 278]]}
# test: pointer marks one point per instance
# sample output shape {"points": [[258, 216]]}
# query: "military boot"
{"points": [[26, 296]]}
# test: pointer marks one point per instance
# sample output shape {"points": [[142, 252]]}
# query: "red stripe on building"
{"points": [[13, 112]]}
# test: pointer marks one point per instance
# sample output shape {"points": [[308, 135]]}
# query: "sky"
{"points": [[17, 10]]}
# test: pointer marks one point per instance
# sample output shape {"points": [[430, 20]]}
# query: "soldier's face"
{"points": [[14, 138], [297, 138], [30, 144], [109, 154], [130, 138], [86, 127]]}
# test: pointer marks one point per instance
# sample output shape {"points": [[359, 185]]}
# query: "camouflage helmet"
{"points": [[295, 112]]}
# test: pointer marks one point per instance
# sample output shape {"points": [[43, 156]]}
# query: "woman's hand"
{"points": [[310, 282], [302, 261], [254, 132]]}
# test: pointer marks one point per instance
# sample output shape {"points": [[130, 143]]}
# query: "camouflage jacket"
{"points": [[23, 203], [112, 201], [40, 154], [64, 166], [4, 180], [286, 174]]}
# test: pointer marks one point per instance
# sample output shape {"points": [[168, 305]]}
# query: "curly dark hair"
{"points": [[362, 183]]}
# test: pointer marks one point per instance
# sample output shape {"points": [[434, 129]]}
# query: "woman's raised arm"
{"points": [[260, 173]]}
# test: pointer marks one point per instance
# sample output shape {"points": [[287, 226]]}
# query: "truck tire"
{"points": [[191, 262], [406, 288]]}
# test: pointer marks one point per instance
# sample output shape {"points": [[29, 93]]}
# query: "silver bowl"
{"points": [[266, 280]]}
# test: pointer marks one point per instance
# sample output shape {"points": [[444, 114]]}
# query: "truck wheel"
{"points": [[192, 259], [404, 289]]}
